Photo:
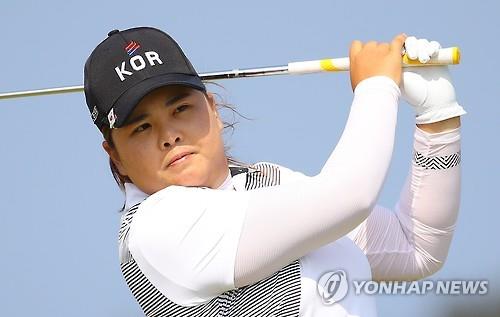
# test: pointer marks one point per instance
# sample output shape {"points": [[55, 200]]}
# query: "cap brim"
{"points": [[126, 103]]}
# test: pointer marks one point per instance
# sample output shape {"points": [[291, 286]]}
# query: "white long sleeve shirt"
{"points": [[193, 244]]}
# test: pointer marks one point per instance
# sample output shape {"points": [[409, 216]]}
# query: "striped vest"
{"points": [[277, 296]]}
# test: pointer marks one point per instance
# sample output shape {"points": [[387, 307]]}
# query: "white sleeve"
{"points": [[194, 244], [184, 240], [412, 241]]}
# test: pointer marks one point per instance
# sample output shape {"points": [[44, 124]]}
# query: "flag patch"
{"points": [[131, 47]]}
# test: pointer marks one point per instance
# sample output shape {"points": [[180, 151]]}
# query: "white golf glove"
{"points": [[428, 89]]}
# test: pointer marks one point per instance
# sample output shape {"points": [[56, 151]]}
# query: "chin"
{"points": [[191, 179]]}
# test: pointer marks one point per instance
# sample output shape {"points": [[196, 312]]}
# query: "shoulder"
{"points": [[179, 207], [284, 173], [204, 221]]}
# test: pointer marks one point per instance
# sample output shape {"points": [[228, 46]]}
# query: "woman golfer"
{"points": [[202, 237]]}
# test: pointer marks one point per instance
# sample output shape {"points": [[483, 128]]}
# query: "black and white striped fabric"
{"points": [[437, 162], [277, 295]]}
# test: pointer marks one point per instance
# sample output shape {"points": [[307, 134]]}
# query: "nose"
{"points": [[167, 144], [169, 138]]}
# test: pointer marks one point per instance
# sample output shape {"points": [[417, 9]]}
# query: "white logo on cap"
{"points": [[138, 63], [111, 118], [95, 113]]}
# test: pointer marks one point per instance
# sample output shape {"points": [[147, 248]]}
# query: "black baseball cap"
{"points": [[129, 64]]}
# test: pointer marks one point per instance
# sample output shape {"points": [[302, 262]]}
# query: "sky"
{"points": [[59, 215]]}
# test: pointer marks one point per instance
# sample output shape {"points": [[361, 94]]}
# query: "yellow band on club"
{"points": [[455, 55], [327, 65], [409, 61]]}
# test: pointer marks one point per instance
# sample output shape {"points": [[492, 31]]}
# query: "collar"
{"points": [[133, 195]]}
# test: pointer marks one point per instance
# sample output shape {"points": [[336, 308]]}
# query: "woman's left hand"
{"points": [[428, 89]]}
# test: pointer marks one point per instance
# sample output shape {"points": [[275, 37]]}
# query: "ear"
{"points": [[213, 106], [113, 154]]}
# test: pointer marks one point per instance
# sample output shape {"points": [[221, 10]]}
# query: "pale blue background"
{"points": [[59, 219]]}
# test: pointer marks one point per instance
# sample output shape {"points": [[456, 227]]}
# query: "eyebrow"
{"points": [[172, 101], [177, 98]]}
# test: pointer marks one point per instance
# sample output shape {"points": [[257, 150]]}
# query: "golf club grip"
{"points": [[445, 56]]}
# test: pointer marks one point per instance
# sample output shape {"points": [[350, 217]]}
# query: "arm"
{"points": [[302, 216], [412, 241], [440, 126], [195, 243]]}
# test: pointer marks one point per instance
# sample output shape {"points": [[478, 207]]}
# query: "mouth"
{"points": [[179, 158]]}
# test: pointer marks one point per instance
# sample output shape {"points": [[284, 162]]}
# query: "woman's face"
{"points": [[168, 122]]}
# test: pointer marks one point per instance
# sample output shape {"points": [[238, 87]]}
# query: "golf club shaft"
{"points": [[445, 56]]}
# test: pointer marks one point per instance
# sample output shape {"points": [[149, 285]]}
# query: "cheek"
{"points": [[214, 134], [207, 136], [204, 129], [138, 158]]}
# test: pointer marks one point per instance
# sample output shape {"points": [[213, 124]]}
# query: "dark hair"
{"points": [[220, 103]]}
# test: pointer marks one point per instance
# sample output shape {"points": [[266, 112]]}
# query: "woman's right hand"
{"points": [[376, 59]]}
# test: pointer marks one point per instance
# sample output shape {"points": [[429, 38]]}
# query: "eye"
{"points": [[141, 128], [181, 108]]}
